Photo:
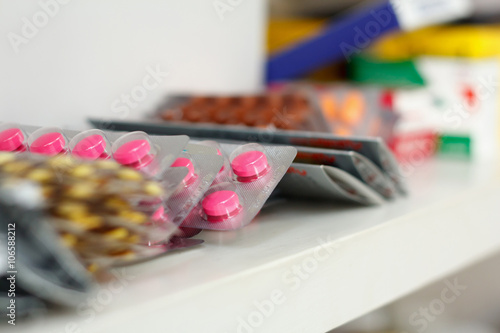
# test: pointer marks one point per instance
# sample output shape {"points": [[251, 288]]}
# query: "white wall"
{"points": [[90, 52]]}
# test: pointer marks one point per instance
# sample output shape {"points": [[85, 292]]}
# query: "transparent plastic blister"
{"points": [[242, 188], [48, 141], [90, 145], [12, 138], [202, 164]]}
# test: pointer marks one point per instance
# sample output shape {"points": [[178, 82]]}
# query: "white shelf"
{"points": [[378, 254]]}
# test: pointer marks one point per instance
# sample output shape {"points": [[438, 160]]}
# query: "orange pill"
{"points": [[342, 130], [353, 108], [329, 106]]}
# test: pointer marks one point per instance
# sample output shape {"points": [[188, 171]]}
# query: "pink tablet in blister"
{"points": [[250, 165], [90, 147], [132, 152], [47, 141], [135, 150], [186, 163], [242, 189], [12, 139], [221, 205]]}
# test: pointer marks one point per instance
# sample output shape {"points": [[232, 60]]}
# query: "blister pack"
{"points": [[203, 164], [149, 154], [327, 183], [373, 149], [152, 155], [96, 206], [287, 108], [352, 163], [250, 174]]}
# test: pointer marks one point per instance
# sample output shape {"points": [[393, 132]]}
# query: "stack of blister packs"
{"points": [[83, 203], [333, 168]]}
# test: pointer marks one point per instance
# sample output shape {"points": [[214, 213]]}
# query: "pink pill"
{"points": [[132, 152], [11, 139], [48, 144], [158, 214], [186, 163], [250, 165], [221, 205], [90, 148]]}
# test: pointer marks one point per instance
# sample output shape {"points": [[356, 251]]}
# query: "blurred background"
{"points": [[424, 75]]}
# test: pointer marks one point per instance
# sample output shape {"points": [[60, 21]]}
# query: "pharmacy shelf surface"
{"points": [[305, 267]]}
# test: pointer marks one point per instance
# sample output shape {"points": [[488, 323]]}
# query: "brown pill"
{"points": [[275, 101], [224, 101], [208, 114], [171, 114], [250, 118], [249, 101], [200, 100], [222, 116], [193, 115], [299, 114], [299, 99], [268, 114]]}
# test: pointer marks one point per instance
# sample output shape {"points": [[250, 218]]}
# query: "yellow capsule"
{"points": [[92, 268], [69, 240], [82, 171], [40, 175], [107, 165], [87, 221], [47, 191], [118, 233], [123, 254], [83, 190], [61, 162], [116, 202], [129, 174], [70, 208], [133, 239], [16, 167], [153, 189], [6, 157], [134, 217]]}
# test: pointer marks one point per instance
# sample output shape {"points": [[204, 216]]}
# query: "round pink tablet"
{"points": [[11, 139], [158, 214], [221, 205], [90, 148], [132, 151], [48, 144], [250, 164], [186, 163]]}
